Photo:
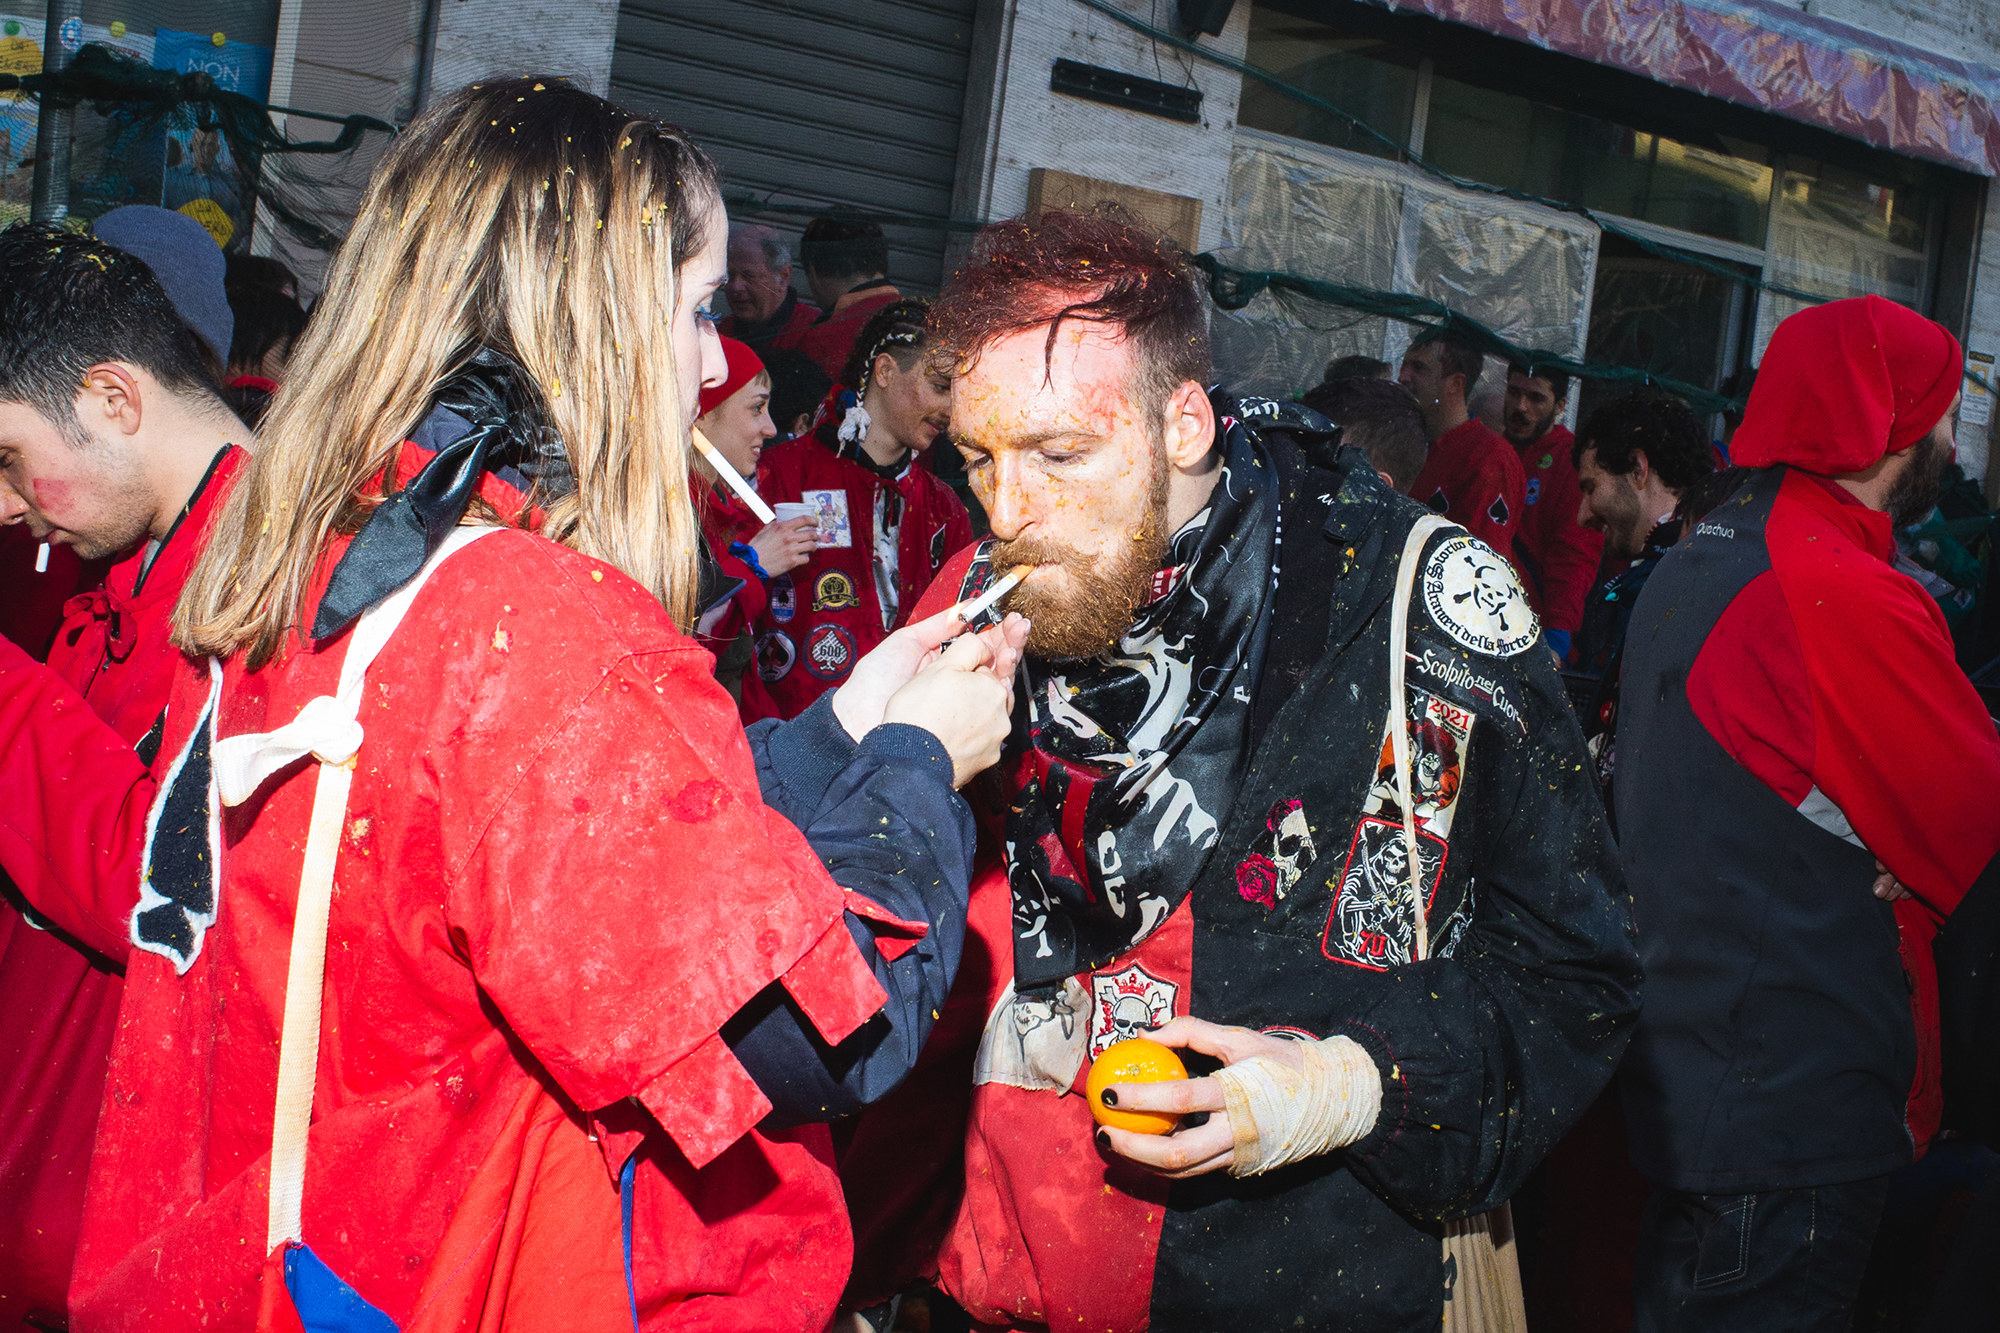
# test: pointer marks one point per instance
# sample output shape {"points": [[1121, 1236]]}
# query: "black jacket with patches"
{"points": [[1489, 1051]]}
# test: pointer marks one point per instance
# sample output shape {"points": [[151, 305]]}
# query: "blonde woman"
{"points": [[571, 954]]}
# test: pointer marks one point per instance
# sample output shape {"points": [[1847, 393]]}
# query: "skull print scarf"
{"points": [[1121, 768]]}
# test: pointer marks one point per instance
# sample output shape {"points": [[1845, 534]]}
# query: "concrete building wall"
{"points": [[1015, 123], [476, 38]]}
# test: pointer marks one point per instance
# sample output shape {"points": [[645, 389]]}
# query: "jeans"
{"points": [[1784, 1260]]}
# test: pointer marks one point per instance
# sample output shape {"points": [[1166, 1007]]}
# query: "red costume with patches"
{"points": [[493, 989], [1556, 555], [61, 1002], [725, 521], [1473, 478], [825, 615]]}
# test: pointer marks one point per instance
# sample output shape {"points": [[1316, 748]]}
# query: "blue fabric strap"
{"points": [[626, 1187]]}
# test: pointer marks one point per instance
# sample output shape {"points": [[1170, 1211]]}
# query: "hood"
{"points": [[1844, 383]]}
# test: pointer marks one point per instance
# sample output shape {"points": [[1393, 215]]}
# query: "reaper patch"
{"points": [[834, 591], [1473, 596], [830, 508], [1270, 872], [1371, 924], [1126, 1004], [775, 655], [829, 651], [177, 879]]}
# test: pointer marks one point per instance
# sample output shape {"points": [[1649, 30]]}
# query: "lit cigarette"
{"points": [[983, 603], [42, 559], [734, 479]]}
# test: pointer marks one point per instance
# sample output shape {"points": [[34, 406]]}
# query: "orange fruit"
{"points": [[1135, 1060]]}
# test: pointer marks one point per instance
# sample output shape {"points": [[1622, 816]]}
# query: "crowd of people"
{"points": [[531, 806]]}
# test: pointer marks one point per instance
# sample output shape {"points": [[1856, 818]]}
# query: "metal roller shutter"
{"points": [[852, 102]]}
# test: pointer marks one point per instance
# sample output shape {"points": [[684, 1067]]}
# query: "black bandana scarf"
{"points": [[1121, 768], [484, 418]]}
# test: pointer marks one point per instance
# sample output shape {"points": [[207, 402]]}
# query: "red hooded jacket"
{"points": [[61, 1002], [1831, 677]]}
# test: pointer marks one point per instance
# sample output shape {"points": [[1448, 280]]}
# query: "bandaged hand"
{"points": [[1276, 1101]]}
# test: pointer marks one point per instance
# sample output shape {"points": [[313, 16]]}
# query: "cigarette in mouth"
{"points": [[734, 479], [980, 605], [42, 559]]}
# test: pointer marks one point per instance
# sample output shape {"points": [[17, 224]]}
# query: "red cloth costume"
{"points": [[830, 340], [33, 606], [825, 615], [1831, 677], [1472, 477], [725, 521], [454, 1179], [61, 1003], [1557, 556]]}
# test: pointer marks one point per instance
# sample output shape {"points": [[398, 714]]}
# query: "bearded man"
{"points": [[1188, 803], [1792, 722]]}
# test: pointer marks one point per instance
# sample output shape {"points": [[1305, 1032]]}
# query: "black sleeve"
{"points": [[884, 819], [1490, 1055]]}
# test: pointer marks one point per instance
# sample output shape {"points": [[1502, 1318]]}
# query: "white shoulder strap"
{"points": [[326, 728], [1399, 715]]}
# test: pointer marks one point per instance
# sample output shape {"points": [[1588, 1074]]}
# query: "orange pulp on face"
{"points": [[1135, 1060]]}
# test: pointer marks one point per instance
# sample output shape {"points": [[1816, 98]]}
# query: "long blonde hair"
{"points": [[522, 215]]}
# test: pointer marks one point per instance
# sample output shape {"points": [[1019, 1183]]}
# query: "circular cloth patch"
{"points": [[829, 651], [1474, 596]]}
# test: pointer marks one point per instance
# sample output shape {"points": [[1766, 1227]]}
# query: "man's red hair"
{"points": [[1095, 266]]}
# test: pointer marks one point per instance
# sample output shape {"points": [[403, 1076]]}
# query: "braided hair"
{"points": [[896, 329]]}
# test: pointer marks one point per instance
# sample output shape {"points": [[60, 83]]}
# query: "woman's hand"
{"points": [[860, 701], [958, 698], [1210, 1146], [786, 545]]}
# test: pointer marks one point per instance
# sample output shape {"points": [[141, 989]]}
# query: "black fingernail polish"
{"points": [[1110, 1097], [1103, 1140]]}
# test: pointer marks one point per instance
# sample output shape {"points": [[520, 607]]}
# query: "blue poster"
{"points": [[201, 177]]}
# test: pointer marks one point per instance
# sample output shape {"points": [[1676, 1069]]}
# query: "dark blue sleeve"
{"points": [[884, 819]]}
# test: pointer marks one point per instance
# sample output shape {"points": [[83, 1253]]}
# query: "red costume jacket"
{"points": [[494, 967], [1831, 679], [825, 615], [1473, 478], [61, 1002], [725, 521], [830, 340], [1556, 555]]}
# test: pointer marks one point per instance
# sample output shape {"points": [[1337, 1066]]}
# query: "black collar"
{"points": [[146, 567]]}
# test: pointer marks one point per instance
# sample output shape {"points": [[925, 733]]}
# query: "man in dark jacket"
{"points": [[1793, 721], [764, 311], [1216, 819]]}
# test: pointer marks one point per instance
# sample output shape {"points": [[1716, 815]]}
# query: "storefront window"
{"points": [[1372, 80], [1721, 190], [181, 164]]}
